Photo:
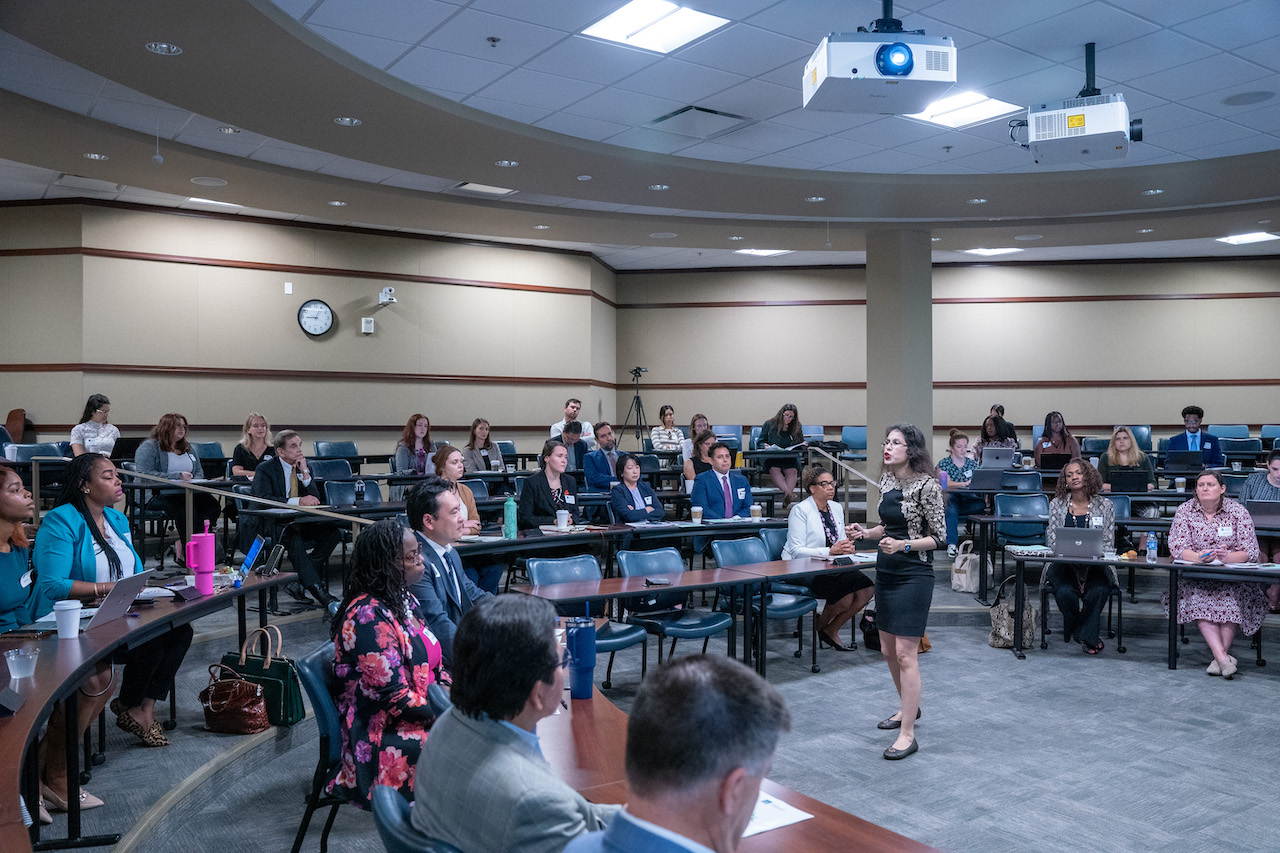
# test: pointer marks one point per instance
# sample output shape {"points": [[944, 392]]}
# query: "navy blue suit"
{"points": [[708, 494], [441, 606], [623, 503], [1210, 451], [600, 474]]}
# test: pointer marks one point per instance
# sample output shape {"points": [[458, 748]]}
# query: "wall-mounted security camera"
{"points": [[387, 296]]}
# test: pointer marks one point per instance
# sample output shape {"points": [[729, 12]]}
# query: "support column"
{"points": [[899, 339]]}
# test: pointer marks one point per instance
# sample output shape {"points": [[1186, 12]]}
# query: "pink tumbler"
{"points": [[200, 560]]}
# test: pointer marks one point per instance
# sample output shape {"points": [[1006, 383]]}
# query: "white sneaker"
{"points": [[951, 551]]}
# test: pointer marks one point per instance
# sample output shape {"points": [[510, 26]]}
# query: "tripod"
{"points": [[637, 409]]}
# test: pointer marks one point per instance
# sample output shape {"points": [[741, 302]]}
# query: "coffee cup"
{"points": [[1180, 484], [696, 513], [1236, 466], [562, 519], [756, 512], [67, 614], [1094, 460]]}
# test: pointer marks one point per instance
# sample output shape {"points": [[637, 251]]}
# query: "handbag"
{"points": [[232, 705], [964, 571], [1002, 621], [870, 633], [275, 673], [924, 645]]}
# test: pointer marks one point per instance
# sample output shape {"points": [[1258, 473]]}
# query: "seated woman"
{"points": [[1056, 438], [254, 446], [958, 466], [93, 434], [82, 549], [413, 452], [697, 427], [633, 499], [168, 454], [668, 436], [781, 431], [548, 491], [1265, 486], [1209, 528], [996, 432], [1123, 454], [699, 459], [1080, 590], [384, 658], [448, 464], [815, 528], [16, 509], [998, 410], [481, 454]]}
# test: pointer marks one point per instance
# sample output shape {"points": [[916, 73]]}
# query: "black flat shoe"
{"points": [[892, 754], [825, 641], [891, 723]]}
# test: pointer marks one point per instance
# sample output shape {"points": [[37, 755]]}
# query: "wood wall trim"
{"points": [[966, 300], [296, 269], [773, 303], [1108, 383], [1067, 262]]}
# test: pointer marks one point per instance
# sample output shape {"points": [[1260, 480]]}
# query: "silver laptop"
{"points": [[119, 600], [997, 457], [1264, 513], [987, 478], [1083, 542]]}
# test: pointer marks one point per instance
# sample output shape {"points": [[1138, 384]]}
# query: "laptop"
{"points": [[1083, 542], [987, 478], [997, 457], [119, 600], [1183, 460], [1053, 461], [1127, 481], [1264, 513]]}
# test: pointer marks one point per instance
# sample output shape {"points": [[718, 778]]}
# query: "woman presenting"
{"points": [[913, 522]]}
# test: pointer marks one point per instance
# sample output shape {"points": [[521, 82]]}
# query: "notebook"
{"points": [[1127, 481], [1054, 461], [1083, 542], [1183, 460], [997, 457]]}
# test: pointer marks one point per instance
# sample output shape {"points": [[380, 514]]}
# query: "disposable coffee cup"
{"points": [[756, 512], [67, 614], [696, 512], [1235, 466], [1028, 462], [1180, 484], [511, 469], [1093, 460], [562, 519]]}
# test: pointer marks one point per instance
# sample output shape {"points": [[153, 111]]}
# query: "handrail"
{"points": [[845, 466]]}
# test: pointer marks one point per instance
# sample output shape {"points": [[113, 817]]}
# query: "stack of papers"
{"points": [[772, 813], [1028, 550]]}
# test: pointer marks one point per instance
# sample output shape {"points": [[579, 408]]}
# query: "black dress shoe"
{"points": [[892, 754], [825, 641], [296, 592], [321, 596], [891, 723]]}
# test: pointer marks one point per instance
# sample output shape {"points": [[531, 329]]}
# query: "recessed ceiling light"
{"points": [[1029, 237], [93, 156], [584, 177], [663, 235], [209, 182], [654, 25], [336, 203], [965, 109], [541, 227], [815, 198], [481, 189], [735, 237], [1244, 99], [228, 129], [659, 187], [1145, 230], [986, 253], [214, 203], [1152, 192], [163, 48], [762, 253], [348, 121], [1254, 237], [977, 201], [506, 164], [1264, 221]]}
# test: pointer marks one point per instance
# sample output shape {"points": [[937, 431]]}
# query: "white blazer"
{"points": [[805, 536]]}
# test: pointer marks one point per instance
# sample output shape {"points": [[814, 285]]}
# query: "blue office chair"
{"points": [[1235, 485], [854, 437], [508, 450], [208, 449], [1021, 481], [1228, 430], [1240, 449], [813, 432], [1141, 434], [1122, 504], [336, 448], [1034, 504], [391, 816], [646, 445], [479, 489], [649, 464], [315, 671], [730, 435], [754, 443], [518, 484], [778, 605], [25, 452], [774, 538], [343, 492], [329, 469], [1036, 432], [610, 636], [1094, 446], [1269, 434], [665, 614]]}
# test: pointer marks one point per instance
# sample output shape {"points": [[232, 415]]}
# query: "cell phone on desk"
{"points": [[657, 581], [272, 565], [842, 561]]}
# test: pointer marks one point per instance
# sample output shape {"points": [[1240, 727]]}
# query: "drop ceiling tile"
{"points": [[144, 119], [22, 190], [1158, 123], [994, 17], [398, 20], [996, 159], [780, 161], [580, 126], [679, 81], [990, 62], [1266, 52], [1196, 78], [307, 161], [745, 50], [754, 99], [452, 72], [467, 33], [734, 10], [1051, 84], [716, 151], [935, 147], [647, 139], [378, 52], [1237, 26], [892, 131], [534, 89], [516, 112], [942, 169], [222, 143], [586, 204], [424, 183], [588, 59], [1149, 54], [63, 99], [1266, 120], [1212, 102], [1061, 38], [789, 75], [294, 8], [23, 69], [813, 20], [766, 137], [1250, 145], [570, 15], [829, 150], [113, 90], [1169, 12], [884, 161], [823, 121], [355, 170], [69, 192], [624, 108]]}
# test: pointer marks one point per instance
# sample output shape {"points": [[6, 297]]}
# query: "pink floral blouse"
{"points": [[1194, 530]]}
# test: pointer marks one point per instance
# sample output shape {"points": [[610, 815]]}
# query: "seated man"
{"points": [[482, 783], [571, 438], [1194, 438], [601, 462], [571, 408], [445, 592], [287, 479], [720, 492], [700, 740]]}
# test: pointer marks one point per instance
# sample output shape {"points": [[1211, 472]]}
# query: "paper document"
{"points": [[772, 813], [1182, 562], [51, 618], [155, 592]]}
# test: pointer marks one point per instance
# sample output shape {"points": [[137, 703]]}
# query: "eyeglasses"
{"points": [[826, 484], [888, 443]]}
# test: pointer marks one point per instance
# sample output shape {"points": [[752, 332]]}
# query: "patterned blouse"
{"points": [[922, 504], [1011, 443], [1099, 507], [957, 473], [383, 668], [1258, 488], [1193, 530], [666, 439], [95, 437]]}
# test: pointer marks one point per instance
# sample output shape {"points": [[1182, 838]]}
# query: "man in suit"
{"points": [[700, 740], [578, 449], [601, 463], [286, 478], [1194, 438], [571, 408], [445, 592], [720, 492], [482, 782]]}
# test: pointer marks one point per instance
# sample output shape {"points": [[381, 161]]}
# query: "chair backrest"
{"points": [[372, 492], [336, 448], [739, 552], [545, 570], [340, 492], [1228, 430], [1094, 446], [646, 444], [438, 698], [730, 435], [854, 437], [1234, 484], [659, 561], [24, 452], [1162, 447], [391, 816], [1036, 432], [813, 432], [754, 441], [1240, 445], [315, 671], [479, 489], [518, 484], [329, 469], [1270, 432], [239, 489], [1124, 509], [649, 464], [5, 438], [208, 449], [774, 538], [507, 449], [1021, 481], [1141, 434], [1024, 503]]}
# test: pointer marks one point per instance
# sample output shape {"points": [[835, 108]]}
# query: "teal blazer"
{"points": [[15, 599], [64, 553]]}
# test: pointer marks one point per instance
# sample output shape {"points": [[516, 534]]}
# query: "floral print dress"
{"points": [[383, 668], [1244, 604]]}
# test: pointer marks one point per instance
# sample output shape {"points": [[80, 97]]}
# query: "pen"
{"points": [[564, 704]]}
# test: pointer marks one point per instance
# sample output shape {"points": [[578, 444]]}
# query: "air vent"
{"points": [[76, 182], [483, 190], [699, 123], [937, 60]]}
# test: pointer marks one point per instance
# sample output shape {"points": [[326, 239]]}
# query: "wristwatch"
{"points": [[906, 549]]}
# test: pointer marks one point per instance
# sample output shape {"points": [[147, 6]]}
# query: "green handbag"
{"points": [[281, 689]]}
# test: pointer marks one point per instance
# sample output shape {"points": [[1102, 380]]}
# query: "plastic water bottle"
{"points": [[420, 461], [942, 478], [359, 490], [509, 518], [1152, 546]]}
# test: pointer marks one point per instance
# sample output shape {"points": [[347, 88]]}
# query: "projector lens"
{"points": [[894, 60]]}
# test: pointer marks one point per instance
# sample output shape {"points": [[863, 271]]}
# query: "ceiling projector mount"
{"points": [[1088, 128], [882, 70]]}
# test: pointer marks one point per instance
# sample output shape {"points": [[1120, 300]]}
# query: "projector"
{"points": [[1081, 130], [885, 72]]}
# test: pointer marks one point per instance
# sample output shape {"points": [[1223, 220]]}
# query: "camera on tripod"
{"points": [[636, 371]]}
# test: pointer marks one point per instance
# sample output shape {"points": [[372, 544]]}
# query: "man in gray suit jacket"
{"points": [[482, 784], [700, 740], [445, 591]]}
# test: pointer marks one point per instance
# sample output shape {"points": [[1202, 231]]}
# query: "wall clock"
{"points": [[315, 317]]}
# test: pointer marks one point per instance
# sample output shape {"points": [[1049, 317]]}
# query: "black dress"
{"points": [[699, 466], [904, 582]]}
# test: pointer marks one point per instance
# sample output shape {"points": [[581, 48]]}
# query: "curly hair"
{"points": [[163, 433], [377, 569], [918, 460], [1092, 480], [810, 475]]}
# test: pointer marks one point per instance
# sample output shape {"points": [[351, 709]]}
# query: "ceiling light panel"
{"points": [[965, 109], [762, 253], [481, 189], [1244, 239], [654, 25], [987, 253]]}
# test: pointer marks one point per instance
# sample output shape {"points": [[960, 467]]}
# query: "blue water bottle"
{"points": [[580, 640], [1152, 547], [509, 518]]}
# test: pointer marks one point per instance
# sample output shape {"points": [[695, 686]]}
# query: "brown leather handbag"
{"points": [[233, 705]]}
